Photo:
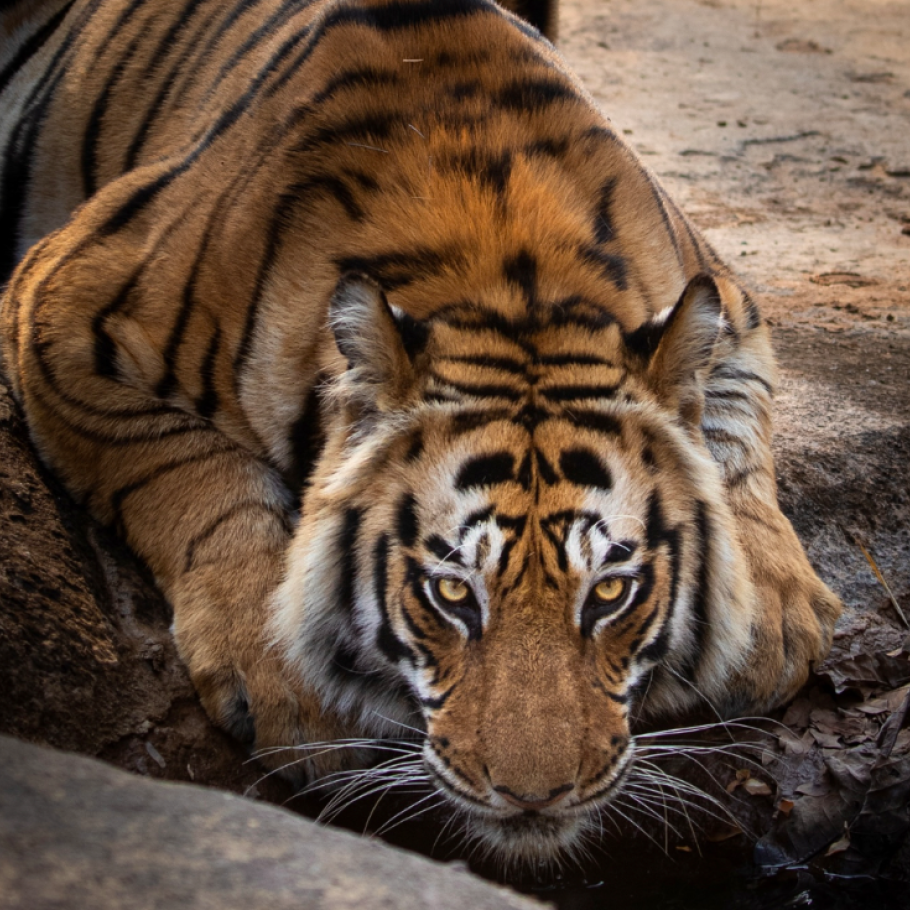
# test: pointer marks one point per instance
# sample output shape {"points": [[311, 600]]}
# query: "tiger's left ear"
{"points": [[677, 346], [379, 341]]}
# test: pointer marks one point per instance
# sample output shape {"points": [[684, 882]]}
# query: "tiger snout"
{"points": [[529, 748]]}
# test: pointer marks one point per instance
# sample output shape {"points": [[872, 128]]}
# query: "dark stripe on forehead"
{"points": [[583, 468], [598, 421], [486, 470], [480, 390], [655, 527], [407, 520], [575, 392], [521, 270], [442, 549]]}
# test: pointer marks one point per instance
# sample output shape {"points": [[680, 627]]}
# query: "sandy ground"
{"points": [[783, 129]]}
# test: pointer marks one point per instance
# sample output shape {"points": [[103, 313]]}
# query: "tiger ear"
{"points": [[678, 345], [379, 341]]}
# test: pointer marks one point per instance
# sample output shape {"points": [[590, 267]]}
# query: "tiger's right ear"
{"points": [[379, 341]]}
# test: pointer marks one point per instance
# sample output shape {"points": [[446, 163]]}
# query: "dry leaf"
{"points": [[826, 740], [785, 806], [755, 787], [841, 845], [814, 788]]}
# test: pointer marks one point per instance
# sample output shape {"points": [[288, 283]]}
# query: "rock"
{"points": [[75, 832], [87, 662]]}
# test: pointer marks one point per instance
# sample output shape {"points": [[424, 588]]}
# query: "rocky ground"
{"points": [[784, 130]]}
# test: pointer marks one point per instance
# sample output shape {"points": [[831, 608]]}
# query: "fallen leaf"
{"points": [[826, 740], [755, 787], [797, 714], [793, 744], [841, 845], [814, 788], [785, 806], [721, 835]]}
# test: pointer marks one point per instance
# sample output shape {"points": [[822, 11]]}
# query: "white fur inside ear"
{"points": [[355, 306]]}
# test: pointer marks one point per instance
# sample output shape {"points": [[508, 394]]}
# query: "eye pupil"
{"points": [[452, 590]]}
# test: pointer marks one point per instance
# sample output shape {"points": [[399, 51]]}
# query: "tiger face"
{"points": [[530, 547]]}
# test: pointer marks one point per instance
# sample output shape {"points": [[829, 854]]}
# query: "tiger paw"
{"points": [[795, 615], [290, 733]]}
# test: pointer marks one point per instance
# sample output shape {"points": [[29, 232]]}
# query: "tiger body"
{"points": [[386, 262]]}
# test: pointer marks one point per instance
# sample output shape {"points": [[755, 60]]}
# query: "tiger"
{"points": [[425, 405]]}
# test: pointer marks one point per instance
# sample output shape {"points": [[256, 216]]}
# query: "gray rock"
{"points": [[76, 833]]}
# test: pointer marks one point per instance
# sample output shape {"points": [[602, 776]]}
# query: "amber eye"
{"points": [[610, 590], [451, 590]]}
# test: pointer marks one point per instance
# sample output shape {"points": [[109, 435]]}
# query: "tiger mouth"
{"points": [[516, 837]]}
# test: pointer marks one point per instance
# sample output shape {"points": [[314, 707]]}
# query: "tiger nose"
{"points": [[534, 802]]}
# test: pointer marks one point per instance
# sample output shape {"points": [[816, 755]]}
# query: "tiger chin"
{"points": [[435, 419]]}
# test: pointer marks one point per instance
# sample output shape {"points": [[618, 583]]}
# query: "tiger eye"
{"points": [[452, 590], [610, 589]]}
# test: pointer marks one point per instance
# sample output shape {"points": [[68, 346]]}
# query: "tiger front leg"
{"points": [[795, 612], [209, 517]]}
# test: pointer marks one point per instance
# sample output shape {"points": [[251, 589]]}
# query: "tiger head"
{"points": [[515, 541]]}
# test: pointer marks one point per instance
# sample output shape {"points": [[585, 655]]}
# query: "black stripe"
{"points": [[361, 76], [347, 548], [702, 593], [144, 195], [552, 148], [604, 231], [157, 58], [726, 371], [273, 241], [575, 392], [386, 640], [393, 270], [408, 528], [32, 46], [207, 402], [612, 265], [212, 528], [19, 153], [435, 703], [335, 187], [533, 94], [306, 440], [486, 470], [121, 494], [583, 468], [481, 390], [508, 364], [608, 137], [572, 360], [545, 469], [521, 270], [443, 549], [598, 421]]}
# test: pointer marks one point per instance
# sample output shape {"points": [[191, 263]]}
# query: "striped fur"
{"points": [[385, 263]]}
